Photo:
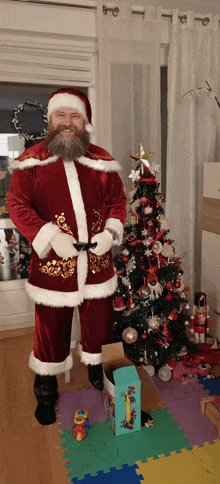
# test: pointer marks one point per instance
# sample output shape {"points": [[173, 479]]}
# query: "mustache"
{"points": [[53, 132], [64, 127]]}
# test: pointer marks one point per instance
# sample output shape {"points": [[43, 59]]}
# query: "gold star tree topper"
{"points": [[142, 158]]}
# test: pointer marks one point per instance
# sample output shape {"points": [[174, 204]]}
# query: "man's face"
{"points": [[68, 119], [67, 137]]}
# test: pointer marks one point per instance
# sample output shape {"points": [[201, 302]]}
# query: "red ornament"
{"points": [[144, 336], [130, 302], [186, 289], [169, 285], [177, 284], [168, 297], [125, 259], [119, 304], [173, 315]]}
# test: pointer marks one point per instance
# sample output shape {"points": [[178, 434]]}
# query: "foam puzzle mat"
{"points": [[182, 444]]}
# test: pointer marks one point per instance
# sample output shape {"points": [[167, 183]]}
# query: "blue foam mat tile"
{"points": [[212, 386], [126, 475]]}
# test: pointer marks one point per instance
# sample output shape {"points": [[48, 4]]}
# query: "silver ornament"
{"points": [[149, 369], [167, 250], [130, 335], [165, 373]]}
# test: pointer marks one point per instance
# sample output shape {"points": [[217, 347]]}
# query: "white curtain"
{"points": [[193, 122], [129, 81]]}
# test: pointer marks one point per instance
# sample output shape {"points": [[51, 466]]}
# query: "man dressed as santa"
{"points": [[65, 195]]}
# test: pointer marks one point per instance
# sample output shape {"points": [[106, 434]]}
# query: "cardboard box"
{"points": [[127, 390]]}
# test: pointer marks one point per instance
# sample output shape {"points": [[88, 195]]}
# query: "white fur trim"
{"points": [[41, 242], [89, 358], [44, 368], [80, 214], [29, 163], [116, 225], [66, 100], [55, 299], [90, 128], [97, 291], [82, 270], [77, 201], [100, 165]]}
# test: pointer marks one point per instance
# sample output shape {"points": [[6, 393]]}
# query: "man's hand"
{"points": [[104, 242], [62, 244]]}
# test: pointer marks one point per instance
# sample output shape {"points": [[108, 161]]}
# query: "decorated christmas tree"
{"points": [[150, 302]]}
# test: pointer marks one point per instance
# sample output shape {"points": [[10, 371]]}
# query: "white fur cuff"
{"points": [[44, 368], [89, 358], [41, 242], [116, 225]]}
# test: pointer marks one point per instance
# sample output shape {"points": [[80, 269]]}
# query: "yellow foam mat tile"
{"points": [[196, 466], [209, 456]]}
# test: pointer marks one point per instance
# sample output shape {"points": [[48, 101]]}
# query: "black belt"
{"points": [[84, 246]]}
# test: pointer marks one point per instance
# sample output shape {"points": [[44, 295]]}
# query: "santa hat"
{"points": [[68, 97]]}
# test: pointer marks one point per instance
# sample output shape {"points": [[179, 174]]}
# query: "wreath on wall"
{"points": [[29, 137]]}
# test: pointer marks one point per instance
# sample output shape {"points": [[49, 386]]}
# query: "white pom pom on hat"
{"points": [[68, 97]]}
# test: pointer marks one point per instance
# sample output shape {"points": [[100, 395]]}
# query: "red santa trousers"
{"points": [[53, 329]]}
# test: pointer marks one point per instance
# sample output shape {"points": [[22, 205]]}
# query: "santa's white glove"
{"points": [[62, 244], [104, 242]]}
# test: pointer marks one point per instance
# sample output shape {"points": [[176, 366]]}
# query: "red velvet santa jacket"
{"points": [[81, 198]]}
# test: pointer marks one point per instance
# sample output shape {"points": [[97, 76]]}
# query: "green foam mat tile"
{"points": [[101, 448]]}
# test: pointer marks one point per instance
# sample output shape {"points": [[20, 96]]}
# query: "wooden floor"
{"points": [[29, 452]]}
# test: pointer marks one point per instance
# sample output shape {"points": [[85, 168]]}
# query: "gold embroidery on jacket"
{"points": [[64, 268], [61, 222], [97, 263], [96, 226]]}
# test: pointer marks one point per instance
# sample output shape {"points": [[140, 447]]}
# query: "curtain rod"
{"points": [[115, 11]]}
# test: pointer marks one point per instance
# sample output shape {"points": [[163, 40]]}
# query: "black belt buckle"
{"points": [[84, 246]]}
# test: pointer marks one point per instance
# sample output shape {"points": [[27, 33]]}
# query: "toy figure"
{"points": [[146, 419], [81, 424], [199, 322]]}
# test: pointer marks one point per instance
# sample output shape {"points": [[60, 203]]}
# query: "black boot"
{"points": [[45, 390], [96, 376]]}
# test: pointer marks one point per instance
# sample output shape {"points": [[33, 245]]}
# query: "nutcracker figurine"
{"points": [[199, 321]]}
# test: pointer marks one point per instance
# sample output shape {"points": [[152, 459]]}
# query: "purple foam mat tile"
{"points": [[88, 399], [183, 402]]}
